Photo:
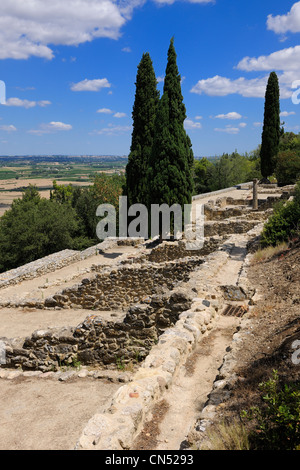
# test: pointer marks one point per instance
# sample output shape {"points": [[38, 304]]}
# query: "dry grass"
{"points": [[226, 436], [269, 252]]}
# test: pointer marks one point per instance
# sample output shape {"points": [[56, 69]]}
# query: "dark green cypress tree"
{"points": [[170, 171], [271, 127], [143, 114]]}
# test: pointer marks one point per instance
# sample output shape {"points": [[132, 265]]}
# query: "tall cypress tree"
{"points": [[271, 127], [170, 171], [143, 114]]}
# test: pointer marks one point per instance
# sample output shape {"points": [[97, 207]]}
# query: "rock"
{"points": [[64, 376]]}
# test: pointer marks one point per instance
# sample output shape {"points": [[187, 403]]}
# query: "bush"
{"points": [[288, 167], [283, 225], [34, 228], [278, 419]]}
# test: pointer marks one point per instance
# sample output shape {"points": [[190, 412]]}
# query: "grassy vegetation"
{"points": [[227, 436], [263, 254]]}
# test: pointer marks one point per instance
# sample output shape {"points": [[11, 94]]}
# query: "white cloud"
{"points": [[51, 127], [287, 113], [43, 103], [231, 116], [119, 115], [9, 128], [285, 59], [242, 125], [126, 49], [198, 117], [190, 124], [91, 85], [281, 24], [257, 124], [26, 103], [28, 28], [228, 130], [222, 86], [105, 111]]}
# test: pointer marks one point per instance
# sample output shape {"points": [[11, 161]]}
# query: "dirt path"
{"points": [[189, 392]]}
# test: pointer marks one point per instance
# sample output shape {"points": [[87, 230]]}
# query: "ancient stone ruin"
{"points": [[164, 298]]}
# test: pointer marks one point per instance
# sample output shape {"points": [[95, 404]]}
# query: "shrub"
{"points": [[282, 225], [288, 167], [278, 419]]}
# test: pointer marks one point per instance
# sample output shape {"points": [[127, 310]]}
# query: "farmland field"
{"points": [[16, 173]]}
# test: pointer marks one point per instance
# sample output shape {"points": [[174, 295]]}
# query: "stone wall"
{"points": [[49, 264], [100, 342], [115, 289], [168, 251]]}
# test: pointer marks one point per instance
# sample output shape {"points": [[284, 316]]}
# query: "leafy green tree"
{"points": [[289, 141], [201, 173], [271, 128], [143, 114], [171, 162], [105, 189], [33, 228], [61, 193], [288, 167]]}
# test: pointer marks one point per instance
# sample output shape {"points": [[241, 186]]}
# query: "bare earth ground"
{"points": [[44, 413], [21, 322]]}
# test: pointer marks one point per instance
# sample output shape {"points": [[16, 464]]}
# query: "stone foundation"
{"points": [[98, 342]]}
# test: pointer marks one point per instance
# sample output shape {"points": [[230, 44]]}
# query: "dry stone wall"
{"points": [[100, 342], [49, 264], [118, 288]]}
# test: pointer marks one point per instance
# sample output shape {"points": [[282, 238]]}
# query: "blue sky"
{"points": [[70, 68]]}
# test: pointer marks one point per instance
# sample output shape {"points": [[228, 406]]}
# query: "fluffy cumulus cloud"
{"points": [[104, 111], [223, 86], [285, 59], [17, 102], [50, 128], [91, 85], [189, 124], [287, 113], [232, 116], [289, 22], [285, 62], [119, 115], [28, 28]]}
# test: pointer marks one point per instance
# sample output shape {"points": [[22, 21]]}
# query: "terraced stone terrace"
{"points": [[103, 334]]}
